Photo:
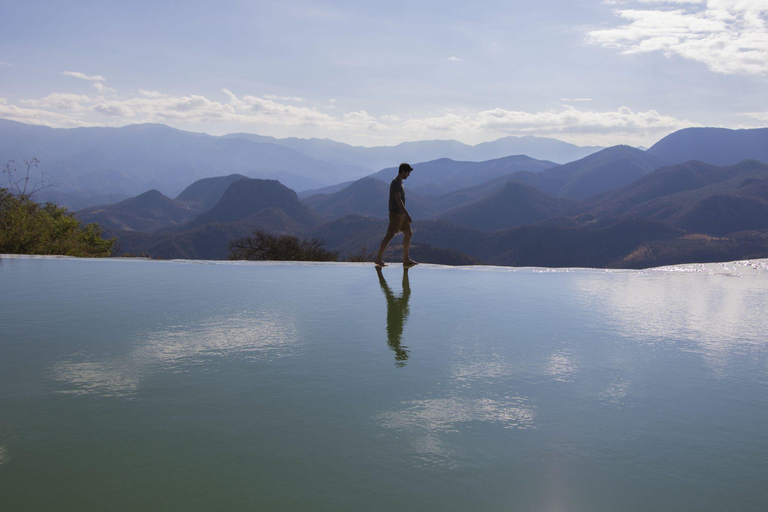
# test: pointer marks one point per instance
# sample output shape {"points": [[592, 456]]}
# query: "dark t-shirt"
{"points": [[396, 186]]}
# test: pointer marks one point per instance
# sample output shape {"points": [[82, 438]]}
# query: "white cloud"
{"points": [[103, 88], [569, 120], [5, 64], [760, 116], [271, 117], [284, 98], [114, 109], [83, 76], [454, 59], [672, 1], [151, 94], [729, 36], [41, 117], [61, 101]]}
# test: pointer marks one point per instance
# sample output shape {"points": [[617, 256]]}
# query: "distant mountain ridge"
{"points": [[696, 196], [445, 175], [510, 205], [247, 197], [203, 194], [605, 170], [716, 146], [149, 211], [136, 158], [378, 157]]}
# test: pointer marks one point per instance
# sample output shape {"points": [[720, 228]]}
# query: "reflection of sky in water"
{"points": [[176, 349], [493, 368], [615, 392], [550, 390], [562, 366], [717, 310], [427, 422]]}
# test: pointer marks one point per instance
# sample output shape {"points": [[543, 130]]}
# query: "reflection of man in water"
{"points": [[397, 314]]}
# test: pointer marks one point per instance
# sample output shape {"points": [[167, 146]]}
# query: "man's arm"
{"points": [[401, 204]]}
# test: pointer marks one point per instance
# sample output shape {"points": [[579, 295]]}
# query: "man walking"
{"points": [[399, 219]]}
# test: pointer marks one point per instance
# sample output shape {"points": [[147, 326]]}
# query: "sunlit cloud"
{"points": [[83, 76], [41, 117], [151, 94], [270, 115], [454, 59], [283, 98], [760, 116], [728, 36], [61, 101], [103, 88], [5, 64]]}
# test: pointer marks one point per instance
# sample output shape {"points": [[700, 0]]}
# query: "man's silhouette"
{"points": [[397, 314], [399, 219]]}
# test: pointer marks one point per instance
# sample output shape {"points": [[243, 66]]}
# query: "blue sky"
{"points": [[372, 73]]}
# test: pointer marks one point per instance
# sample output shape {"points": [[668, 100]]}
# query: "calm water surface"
{"points": [[145, 385]]}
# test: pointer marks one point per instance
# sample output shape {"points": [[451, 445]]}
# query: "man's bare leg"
{"points": [[384, 243], [407, 262]]}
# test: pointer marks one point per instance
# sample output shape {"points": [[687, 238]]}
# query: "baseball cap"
{"points": [[405, 168]]}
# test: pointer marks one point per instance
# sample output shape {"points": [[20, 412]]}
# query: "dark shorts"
{"points": [[398, 223]]}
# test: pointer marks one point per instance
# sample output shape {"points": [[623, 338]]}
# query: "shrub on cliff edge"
{"points": [[29, 228]]}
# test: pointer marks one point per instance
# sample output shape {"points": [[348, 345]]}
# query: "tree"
{"points": [[19, 185], [29, 228], [264, 246]]}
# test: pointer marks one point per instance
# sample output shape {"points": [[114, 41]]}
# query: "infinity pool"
{"points": [[147, 385]]}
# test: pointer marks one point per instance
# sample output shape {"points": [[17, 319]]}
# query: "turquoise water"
{"points": [[147, 385]]}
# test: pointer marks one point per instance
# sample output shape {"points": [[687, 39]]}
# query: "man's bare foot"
{"points": [[410, 263], [379, 263]]}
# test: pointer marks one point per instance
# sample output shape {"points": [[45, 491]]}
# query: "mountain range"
{"points": [[93, 166], [378, 157], [696, 195], [680, 213]]}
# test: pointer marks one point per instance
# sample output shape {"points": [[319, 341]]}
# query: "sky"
{"points": [[599, 72]]}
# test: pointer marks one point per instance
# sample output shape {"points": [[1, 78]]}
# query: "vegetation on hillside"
{"points": [[29, 228]]}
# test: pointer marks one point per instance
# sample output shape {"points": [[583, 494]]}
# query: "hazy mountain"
{"points": [[324, 190], [378, 157], [149, 211], [203, 194], [367, 196], [724, 214], [696, 196], [552, 246], [445, 175], [512, 204], [206, 242], [608, 169], [135, 158], [78, 200], [250, 197], [245, 205], [717, 146]]}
